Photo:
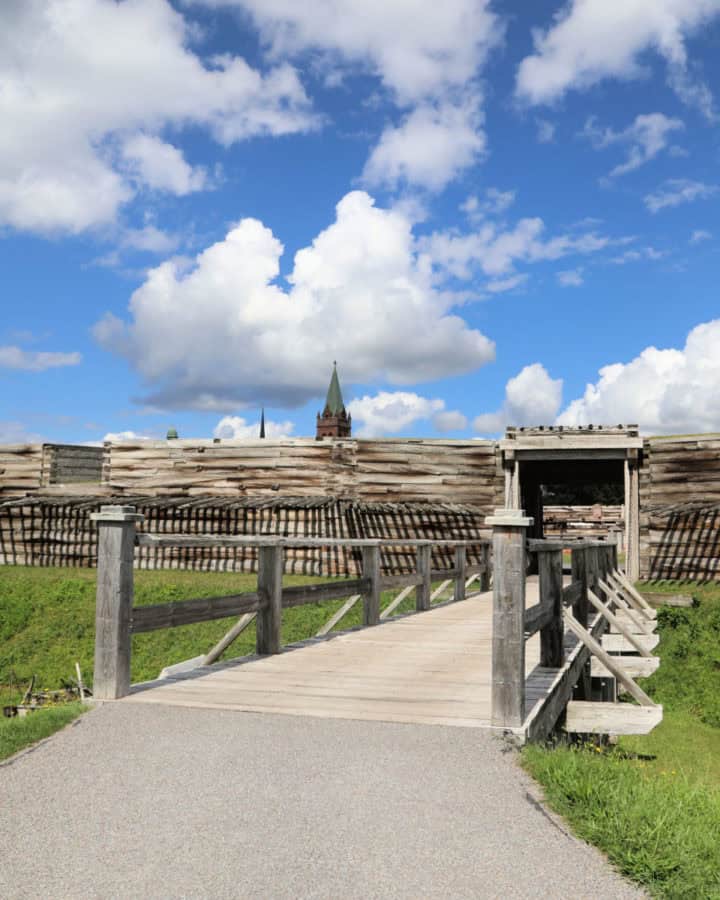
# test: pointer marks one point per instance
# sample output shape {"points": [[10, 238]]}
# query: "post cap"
{"points": [[513, 518], [117, 514]]}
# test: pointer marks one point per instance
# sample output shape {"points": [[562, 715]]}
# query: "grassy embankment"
{"points": [[653, 802], [47, 623]]}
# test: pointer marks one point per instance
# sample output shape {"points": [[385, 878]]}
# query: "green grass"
{"points": [[16, 734], [47, 622], [652, 803]]}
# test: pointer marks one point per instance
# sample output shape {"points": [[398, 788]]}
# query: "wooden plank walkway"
{"points": [[429, 668]]}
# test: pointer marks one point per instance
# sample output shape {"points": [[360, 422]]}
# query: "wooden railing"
{"points": [[117, 619]]}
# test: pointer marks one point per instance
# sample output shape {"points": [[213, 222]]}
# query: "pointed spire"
{"points": [[334, 402], [262, 423]]}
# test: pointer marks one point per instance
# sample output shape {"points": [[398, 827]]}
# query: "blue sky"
{"points": [[488, 213]]}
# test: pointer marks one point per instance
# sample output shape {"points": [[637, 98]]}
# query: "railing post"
{"points": [[461, 567], [114, 600], [371, 571], [579, 569], [485, 561], [422, 591], [269, 618], [508, 644], [551, 587]]}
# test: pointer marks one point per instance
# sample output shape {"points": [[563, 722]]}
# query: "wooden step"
{"points": [[618, 643], [586, 717], [634, 666]]}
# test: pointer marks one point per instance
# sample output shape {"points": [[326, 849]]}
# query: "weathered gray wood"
{"points": [[537, 617], [390, 582], [227, 639], [631, 603], [607, 613], [396, 601], [611, 718], [618, 643], [269, 620], [422, 591], [582, 569], [188, 612], [551, 595], [440, 589], [508, 648], [314, 593], [634, 666], [631, 589], [571, 593], [657, 599], [460, 576], [629, 611], [341, 613], [114, 599], [632, 520], [487, 568], [608, 661], [371, 575]]}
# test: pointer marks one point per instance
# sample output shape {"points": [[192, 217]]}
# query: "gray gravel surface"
{"points": [[163, 802]]}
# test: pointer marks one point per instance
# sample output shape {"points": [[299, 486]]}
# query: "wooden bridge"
{"points": [[519, 658]]}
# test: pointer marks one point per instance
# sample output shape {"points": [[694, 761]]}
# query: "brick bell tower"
{"points": [[334, 421]]}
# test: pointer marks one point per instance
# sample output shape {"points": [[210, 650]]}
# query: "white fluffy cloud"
{"points": [[86, 81], [223, 333], [663, 391], [647, 136], [595, 39], [676, 191], [532, 397], [700, 235], [128, 435], [496, 249], [237, 428], [12, 357], [427, 57], [419, 50], [389, 412], [161, 166], [431, 146]]}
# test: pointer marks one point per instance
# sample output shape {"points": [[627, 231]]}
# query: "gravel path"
{"points": [[163, 802]]}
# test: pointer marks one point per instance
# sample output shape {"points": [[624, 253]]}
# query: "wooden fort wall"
{"points": [[570, 522], [680, 508], [26, 468]]}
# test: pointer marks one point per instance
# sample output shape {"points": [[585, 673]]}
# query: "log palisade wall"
{"points": [[680, 508], [25, 468], [401, 470], [570, 522], [679, 485]]}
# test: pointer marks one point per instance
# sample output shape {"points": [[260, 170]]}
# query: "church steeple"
{"points": [[262, 423], [334, 420]]}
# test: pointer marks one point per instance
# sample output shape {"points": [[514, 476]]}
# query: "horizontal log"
{"points": [[586, 717], [314, 593], [537, 617], [572, 593], [390, 582], [187, 612]]}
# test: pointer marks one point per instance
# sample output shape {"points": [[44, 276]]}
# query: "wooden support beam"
{"points": [[440, 589], [269, 620], [396, 601], [300, 594], [341, 613], [460, 567], [188, 612], [114, 600], [371, 574], [609, 616], [620, 576], [487, 568], [618, 643], [634, 666], [584, 635], [508, 646], [551, 595], [423, 589], [227, 639], [626, 599]]}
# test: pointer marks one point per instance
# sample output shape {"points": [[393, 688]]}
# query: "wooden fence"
{"points": [[117, 619], [572, 620]]}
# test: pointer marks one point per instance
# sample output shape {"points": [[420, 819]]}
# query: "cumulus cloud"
{"points": [[493, 203], [389, 412], [89, 86], [161, 166], [676, 191], [237, 428], [545, 131], [647, 136], [222, 333], [532, 397], [128, 435], [664, 391], [419, 50], [12, 357], [629, 256], [591, 40], [431, 146]]}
